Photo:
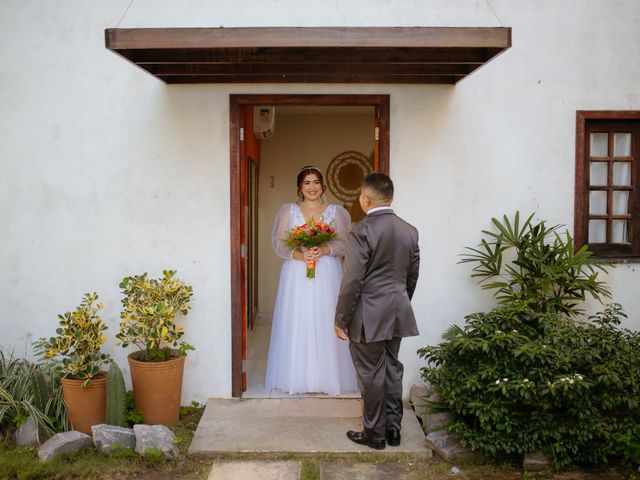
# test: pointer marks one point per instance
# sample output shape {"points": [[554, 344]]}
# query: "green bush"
{"points": [[534, 373], [132, 416], [541, 381]]}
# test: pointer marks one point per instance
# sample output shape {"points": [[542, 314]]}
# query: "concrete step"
{"points": [[292, 425]]}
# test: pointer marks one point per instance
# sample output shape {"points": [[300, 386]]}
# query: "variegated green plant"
{"points": [[79, 339], [149, 308], [29, 390]]}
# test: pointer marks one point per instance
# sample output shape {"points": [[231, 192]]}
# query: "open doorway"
{"points": [[339, 134]]}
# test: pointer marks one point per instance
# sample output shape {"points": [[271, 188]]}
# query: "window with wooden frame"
{"points": [[607, 197]]}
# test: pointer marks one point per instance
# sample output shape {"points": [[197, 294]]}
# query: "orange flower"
{"points": [[309, 235]]}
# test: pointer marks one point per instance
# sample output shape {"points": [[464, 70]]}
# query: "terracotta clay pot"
{"points": [[85, 405], [157, 389]]}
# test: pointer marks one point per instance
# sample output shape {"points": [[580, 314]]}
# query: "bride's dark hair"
{"points": [[304, 172]]}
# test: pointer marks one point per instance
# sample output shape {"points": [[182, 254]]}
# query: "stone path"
{"points": [[241, 470], [364, 471], [292, 425], [248, 470]]}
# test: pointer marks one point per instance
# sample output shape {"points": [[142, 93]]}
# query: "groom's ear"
{"points": [[365, 200]]}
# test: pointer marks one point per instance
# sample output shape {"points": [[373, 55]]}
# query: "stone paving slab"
{"points": [[250, 470], [292, 425], [364, 471]]}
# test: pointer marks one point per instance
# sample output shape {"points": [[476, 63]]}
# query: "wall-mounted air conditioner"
{"points": [[264, 122]]}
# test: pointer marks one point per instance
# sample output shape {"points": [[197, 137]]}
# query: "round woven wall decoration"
{"points": [[346, 173]]}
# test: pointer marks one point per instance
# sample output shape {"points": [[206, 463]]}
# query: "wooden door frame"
{"points": [[236, 103]]}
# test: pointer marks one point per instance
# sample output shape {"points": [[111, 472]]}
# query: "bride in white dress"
{"points": [[304, 354]]}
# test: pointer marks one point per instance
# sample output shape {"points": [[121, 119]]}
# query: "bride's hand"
{"points": [[320, 251], [309, 255]]}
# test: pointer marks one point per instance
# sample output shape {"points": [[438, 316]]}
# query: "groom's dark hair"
{"points": [[381, 184]]}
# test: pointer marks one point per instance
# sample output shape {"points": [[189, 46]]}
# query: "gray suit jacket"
{"points": [[380, 274]]}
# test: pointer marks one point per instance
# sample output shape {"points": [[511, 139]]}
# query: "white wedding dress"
{"points": [[305, 356]]}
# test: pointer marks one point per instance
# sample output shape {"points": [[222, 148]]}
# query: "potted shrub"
{"points": [[149, 308], [78, 342]]}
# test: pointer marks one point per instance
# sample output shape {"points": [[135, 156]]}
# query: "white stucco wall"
{"points": [[105, 171]]}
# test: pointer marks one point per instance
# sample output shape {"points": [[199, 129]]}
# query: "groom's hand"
{"points": [[341, 333]]}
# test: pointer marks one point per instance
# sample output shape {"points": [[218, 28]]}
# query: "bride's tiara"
{"points": [[309, 167]]}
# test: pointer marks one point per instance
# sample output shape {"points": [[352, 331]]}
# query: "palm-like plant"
{"points": [[536, 264]]}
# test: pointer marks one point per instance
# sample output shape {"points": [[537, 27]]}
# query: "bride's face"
{"points": [[311, 187]]}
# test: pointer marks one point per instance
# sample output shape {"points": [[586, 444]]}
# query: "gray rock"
{"points": [[28, 435], [435, 397], [536, 462], [418, 395], [108, 438], [447, 445], [155, 438], [435, 421], [63, 443]]}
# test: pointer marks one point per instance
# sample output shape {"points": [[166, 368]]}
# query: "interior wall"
{"points": [[300, 139]]}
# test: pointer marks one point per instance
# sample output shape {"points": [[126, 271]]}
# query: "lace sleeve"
{"points": [[279, 232], [342, 224]]}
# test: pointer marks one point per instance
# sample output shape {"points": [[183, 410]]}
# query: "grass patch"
{"points": [[21, 463], [310, 470], [186, 427]]}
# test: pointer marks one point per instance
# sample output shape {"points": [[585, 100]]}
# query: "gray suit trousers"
{"points": [[380, 380]]}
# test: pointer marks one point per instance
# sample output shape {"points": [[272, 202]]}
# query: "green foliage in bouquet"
{"points": [[149, 308], [309, 235], [78, 341]]}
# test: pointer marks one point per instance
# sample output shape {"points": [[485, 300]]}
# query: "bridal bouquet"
{"points": [[309, 235]]}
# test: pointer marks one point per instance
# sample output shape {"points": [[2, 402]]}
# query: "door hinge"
{"points": [[242, 134], [243, 250], [376, 133]]}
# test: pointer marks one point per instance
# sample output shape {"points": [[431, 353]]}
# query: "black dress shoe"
{"points": [[361, 439], [393, 437]]}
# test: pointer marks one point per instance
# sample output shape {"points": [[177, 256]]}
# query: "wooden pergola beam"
{"points": [[309, 55]]}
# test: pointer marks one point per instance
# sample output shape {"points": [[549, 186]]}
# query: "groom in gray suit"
{"points": [[374, 309]]}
